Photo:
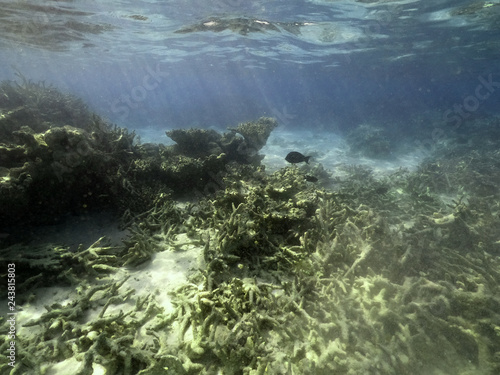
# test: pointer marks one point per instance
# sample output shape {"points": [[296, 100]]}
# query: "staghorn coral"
{"points": [[316, 301], [106, 339], [380, 279], [339, 297]]}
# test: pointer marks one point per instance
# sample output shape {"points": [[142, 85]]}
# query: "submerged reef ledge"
{"points": [[56, 157], [380, 276]]}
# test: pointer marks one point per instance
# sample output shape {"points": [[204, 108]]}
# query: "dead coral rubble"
{"points": [[298, 279], [339, 280], [332, 283], [379, 277]]}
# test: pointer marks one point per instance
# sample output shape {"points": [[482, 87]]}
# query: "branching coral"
{"points": [[379, 277]]}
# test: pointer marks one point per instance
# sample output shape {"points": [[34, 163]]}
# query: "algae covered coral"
{"points": [[376, 276]]}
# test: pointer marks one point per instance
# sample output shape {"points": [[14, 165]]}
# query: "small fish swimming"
{"points": [[295, 157], [310, 178]]}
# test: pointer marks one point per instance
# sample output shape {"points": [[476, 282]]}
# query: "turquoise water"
{"points": [[345, 62], [150, 223]]}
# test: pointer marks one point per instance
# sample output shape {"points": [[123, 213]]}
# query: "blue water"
{"points": [[352, 61], [401, 274]]}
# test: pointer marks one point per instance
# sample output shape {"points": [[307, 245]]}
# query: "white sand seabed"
{"points": [[331, 150], [164, 273]]}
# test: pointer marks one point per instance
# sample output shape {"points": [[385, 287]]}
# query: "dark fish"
{"points": [[310, 178], [296, 157]]}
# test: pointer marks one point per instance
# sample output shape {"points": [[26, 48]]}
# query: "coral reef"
{"points": [[40, 105], [72, 163], [256, 133], [381, 276], [201, 143], [91, 164], [459, 168], [298, 280], [69, 163], [196, 142]]}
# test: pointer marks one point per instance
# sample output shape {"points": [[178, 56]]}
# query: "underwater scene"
{"points": [[205, 187]]}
